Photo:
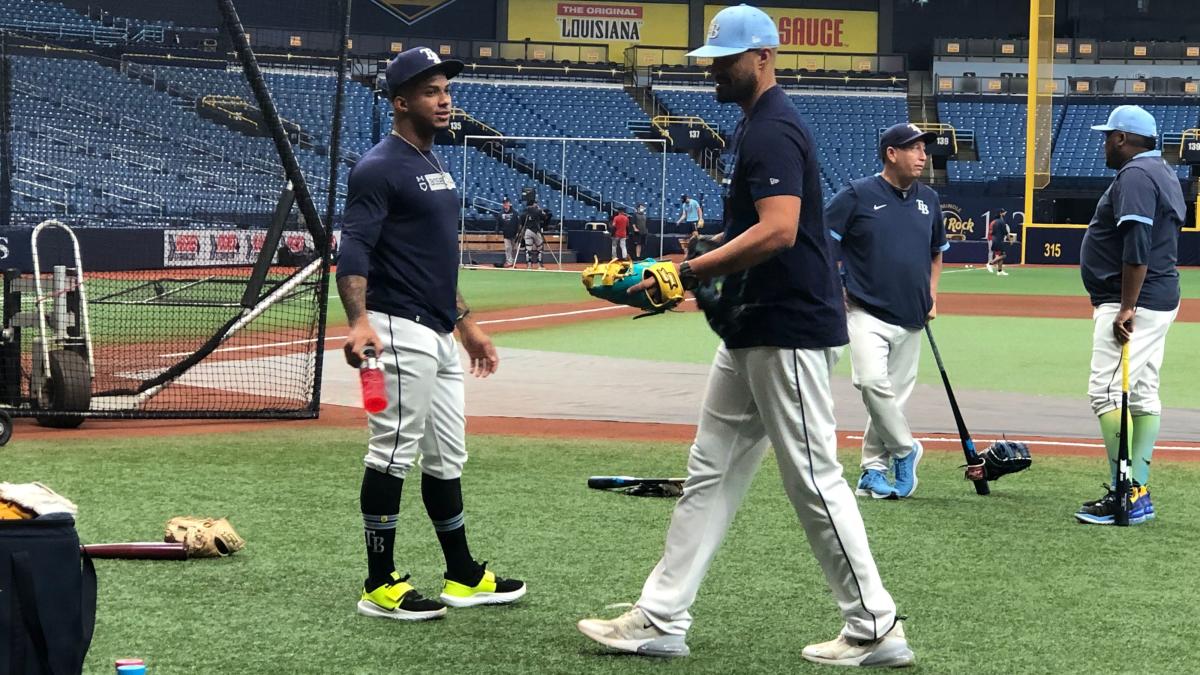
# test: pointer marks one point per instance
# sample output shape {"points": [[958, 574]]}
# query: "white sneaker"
{"points": [[633, 632], [1001, 273], [891, 651], [991, 268]]}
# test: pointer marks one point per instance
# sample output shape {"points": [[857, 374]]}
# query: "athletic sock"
{"points": [[379, 500], [1110, 431], [444, 504], [1141, 445]]}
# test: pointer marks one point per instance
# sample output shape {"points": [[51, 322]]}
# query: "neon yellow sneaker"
{"points": [[491, 590], [399, 600]]}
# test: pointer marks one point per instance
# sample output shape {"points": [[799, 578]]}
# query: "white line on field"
{"points": [[330, 338], [1031, 441]]}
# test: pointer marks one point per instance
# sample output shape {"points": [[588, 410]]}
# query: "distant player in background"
{"points": [[637, 238], [533, 219], [691, 217], [620, 232], [1128, 267], [398, 280], [999, 233], [507, 223], [891, 239]]}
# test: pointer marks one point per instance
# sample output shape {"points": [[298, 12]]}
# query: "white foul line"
{"points": [[1031, 441], [330, 338]]}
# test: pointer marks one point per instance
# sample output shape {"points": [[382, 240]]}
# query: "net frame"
{"points": [[662, 194]]}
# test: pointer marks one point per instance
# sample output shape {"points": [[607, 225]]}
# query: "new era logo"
{"points": [[774, 181]]}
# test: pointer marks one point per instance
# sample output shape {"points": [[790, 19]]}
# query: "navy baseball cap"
{"points": [[901, 135], [738, 29], [1130, 119], [417, 62]]}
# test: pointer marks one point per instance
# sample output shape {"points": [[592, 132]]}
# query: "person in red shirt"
{"points": [[620, 230]]}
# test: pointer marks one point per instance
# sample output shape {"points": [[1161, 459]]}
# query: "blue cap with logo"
{"points": [[416, 62], [901, 135], [737, 29], [1130, 119]]}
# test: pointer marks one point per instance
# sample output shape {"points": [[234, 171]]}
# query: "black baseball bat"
{"points": [[1123, 485], [609, 482], [974, 463]]}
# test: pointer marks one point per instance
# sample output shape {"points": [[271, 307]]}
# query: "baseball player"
{"points": [[398, 278], [998, 232], [507, 224], [889, 227], [620, 233], [691, 217], [770, 380], [1128, 267], [533, 219]]}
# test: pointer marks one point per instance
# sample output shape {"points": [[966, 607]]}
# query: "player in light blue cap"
{"points": [[781, 317], [1127, 262]]}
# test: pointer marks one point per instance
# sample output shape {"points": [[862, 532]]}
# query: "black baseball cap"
{"points": [[902, 135], [418, 62]]}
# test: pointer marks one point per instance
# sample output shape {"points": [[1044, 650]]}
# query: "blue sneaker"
{"points": [[906, 470], [1141, 510], [874, 484], [1103, 511]]}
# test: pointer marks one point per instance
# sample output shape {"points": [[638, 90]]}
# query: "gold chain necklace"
{"points": [[437, 166]]}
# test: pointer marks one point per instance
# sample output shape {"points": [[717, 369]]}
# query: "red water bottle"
{"points": [[373, 393]]}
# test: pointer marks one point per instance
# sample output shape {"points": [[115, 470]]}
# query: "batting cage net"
{"points": [[166, 220]]}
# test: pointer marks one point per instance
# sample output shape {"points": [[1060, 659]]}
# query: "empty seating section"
{"points": [[1078, 151], [999, 136], [48, 13], [846, 128], [626, 172]]}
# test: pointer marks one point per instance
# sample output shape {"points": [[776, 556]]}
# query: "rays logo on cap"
{"points": [[915, 128], [431, 55], [714, 29]]}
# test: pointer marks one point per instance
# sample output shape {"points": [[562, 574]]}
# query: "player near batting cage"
{"points": [[398, 279], [1128, 267], [781, 320], [891, 239]]}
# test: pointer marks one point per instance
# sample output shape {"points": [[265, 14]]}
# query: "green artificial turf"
{"points": [[1038, 280], [1000, 584], [1037, 356]]}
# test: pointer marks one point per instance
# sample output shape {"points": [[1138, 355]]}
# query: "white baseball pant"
{"points": [[884, 358], [754, 396], [425, 418], [1146, 350]]}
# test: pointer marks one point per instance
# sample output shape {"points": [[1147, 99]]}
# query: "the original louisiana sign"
{"points": [[616, 24]]}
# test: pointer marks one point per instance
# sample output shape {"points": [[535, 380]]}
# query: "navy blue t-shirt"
{"points": [[400, 231], [887, 244], [1137, 221], [792, 300]]}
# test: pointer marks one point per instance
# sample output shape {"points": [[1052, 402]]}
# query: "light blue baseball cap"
{"points": [[1130, 119], [737, 29]]}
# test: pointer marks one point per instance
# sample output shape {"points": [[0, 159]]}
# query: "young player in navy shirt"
{"points": [[889, 227], [398, 280]]}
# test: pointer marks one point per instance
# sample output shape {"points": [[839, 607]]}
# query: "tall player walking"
{"points": [[1128, 267], [770, 376], [398, 280], [891, 237]]}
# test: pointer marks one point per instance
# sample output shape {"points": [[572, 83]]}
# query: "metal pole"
{"points": [[562, 200], [462, 214], [662, 200]]}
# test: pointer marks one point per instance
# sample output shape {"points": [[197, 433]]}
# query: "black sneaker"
{"points": [[399, 600], [491, 590], [1104, 510]]}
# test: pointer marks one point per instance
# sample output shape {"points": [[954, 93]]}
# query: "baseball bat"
{"points": [[609, 482], [1123, 486], [137, 550], [974, 463]]}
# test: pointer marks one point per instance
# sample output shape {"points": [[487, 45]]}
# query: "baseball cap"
{"points": [[413, 63], [737, 29], [1130, 118], [900, 135]]}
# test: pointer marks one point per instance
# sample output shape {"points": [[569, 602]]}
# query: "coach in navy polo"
{"points": [[889, 226]]}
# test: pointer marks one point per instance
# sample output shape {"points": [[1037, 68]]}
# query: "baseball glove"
{"points": [[611, 281], [204, 537], [670, 489], [1003, 458]]}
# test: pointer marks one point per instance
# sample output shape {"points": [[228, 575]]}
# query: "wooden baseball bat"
{"points": [[609, 482], [974, 463], [137, 550]]}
